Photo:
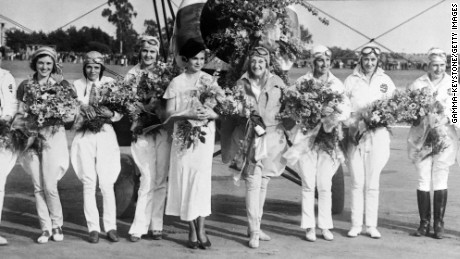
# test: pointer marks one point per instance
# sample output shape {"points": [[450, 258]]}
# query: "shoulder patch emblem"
{"points": [[383, 88]]}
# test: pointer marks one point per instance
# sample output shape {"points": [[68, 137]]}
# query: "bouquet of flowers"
{"points": [[381, 113], [234, 103], [246, 24], [49, 105], [150, 89], [116, 96], [309, 102], [314, 107], [430, 135], [18, 136], [189, 132], [5, 135], [435, 142], [413, 105]]}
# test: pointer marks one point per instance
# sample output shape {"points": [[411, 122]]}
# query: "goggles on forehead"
{"points": [[369, 49], [327, 53], [151, 41], [436, 51], [259, 51], [96, 60]]}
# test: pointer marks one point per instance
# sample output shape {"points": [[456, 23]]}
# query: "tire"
{"points": [[122, 129], [126, 187], [338, 192]]}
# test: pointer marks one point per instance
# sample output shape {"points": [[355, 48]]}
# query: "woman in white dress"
{"points": [[433, 170], [189, 191]]}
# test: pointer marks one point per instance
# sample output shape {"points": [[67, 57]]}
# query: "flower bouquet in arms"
{"points": [[189, 132], [428, 135], [234, 103], [104, 101], [413, 105], [17, 138], [150, 89], [318, 112], [380, 114], [50, 105], [11, 139]]}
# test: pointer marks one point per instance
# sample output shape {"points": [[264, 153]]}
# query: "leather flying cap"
{"points": [[149, 41], [320, 51], [260, 52], [93, 57]]}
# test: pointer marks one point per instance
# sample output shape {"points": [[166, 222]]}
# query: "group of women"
{"points": [[178, 182]]}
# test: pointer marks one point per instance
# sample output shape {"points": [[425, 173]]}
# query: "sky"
{"points": [[370, 17]]}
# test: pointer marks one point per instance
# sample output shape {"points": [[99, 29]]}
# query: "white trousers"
{"points": [[256, 192], [97, 156], [46, 171], [317, 169], [366, 162], [151, 154], [435, 169], [7, 162]]}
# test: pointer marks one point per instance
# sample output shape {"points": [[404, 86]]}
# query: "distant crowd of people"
{"points": [[76, 57]]}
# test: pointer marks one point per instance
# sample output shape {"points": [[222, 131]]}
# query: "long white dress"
{"points": [[189, 190]]}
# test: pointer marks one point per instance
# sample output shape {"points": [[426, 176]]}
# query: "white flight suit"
{"points": [[96, 156], [151, 154], [8, 107], [317, 167], [367, 160], [434, 169]]}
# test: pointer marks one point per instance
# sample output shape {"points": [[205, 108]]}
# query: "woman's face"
{"points": [[258, 66], [437, 67], [322, 65], [93, 71], [148, 55], [44, 66], [369, 63], [196, 63]]}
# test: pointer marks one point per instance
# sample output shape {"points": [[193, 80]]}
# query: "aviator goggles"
{"points": [[327, 53], [150, 40], [259, 51], [369, 49]]}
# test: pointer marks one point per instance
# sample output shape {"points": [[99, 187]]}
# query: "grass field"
{"points": [[21, 70]]}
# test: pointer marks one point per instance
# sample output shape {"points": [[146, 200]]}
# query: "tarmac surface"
{"points": [[398, 218]]}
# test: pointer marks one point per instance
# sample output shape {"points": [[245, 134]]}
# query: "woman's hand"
{"points": [[139, 107], [88, 111], [436, 120], [18, 122], [198, 113], [211, 114], [104, 112]]}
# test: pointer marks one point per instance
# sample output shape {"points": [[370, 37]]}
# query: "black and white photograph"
{"points": [[229, 129]]}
